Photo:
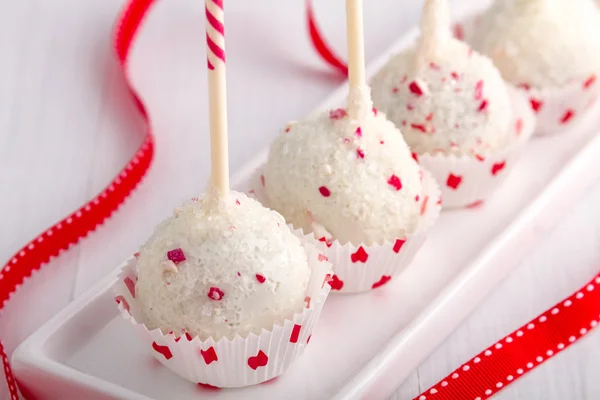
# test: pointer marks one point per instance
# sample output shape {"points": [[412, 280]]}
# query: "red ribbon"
{"points": [[68, 231], [527, 347]]}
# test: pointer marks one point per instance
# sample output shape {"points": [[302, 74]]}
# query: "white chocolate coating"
{"points": [[541, 43], [244, 270], [456, 103], [353, 186]]}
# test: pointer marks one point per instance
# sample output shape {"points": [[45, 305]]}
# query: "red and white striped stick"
{"points": [[217, 97]]}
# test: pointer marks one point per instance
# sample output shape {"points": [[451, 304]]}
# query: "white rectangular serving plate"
{"points": [[364, 345]]}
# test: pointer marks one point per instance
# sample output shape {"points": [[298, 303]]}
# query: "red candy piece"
{"points": [[336, 283], [358, 132], [215, 293], [398, 245], [482, 106], [209, 355], [419, 127], [424, 205], [359, 256], [524, 86], [395, 90], [176, 255], [479, 157], [498, 167], [455, 75], [454, 181], [479, 90], [121, 300], [458, 31], [395, 182], [325, 192], [259, 360], [323, 257], [415, 88], [237, 202], [164, 350], [567, 116], [415, 156], [360, 153], [384, 279], [589, 81], [136, 254], [536, 105], [519, 126], [337, 114], [374, 111], [295, 333], [434, 66], [475, 204], [130, 286], [260, 278]]}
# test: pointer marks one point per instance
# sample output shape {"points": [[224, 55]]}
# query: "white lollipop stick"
{"points": [[435, 31], [217, 97], [359, 98]]}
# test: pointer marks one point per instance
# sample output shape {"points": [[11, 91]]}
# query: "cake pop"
{"points": [[454, 109], [346, 175]]}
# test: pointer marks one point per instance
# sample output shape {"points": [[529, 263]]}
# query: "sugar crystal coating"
{"points": [[461, 106], [232, 281], [541, 43], [326, 179]]}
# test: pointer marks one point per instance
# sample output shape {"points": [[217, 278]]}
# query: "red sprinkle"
{"points": [[136, 254], [415, 88], [360, 153], [237, 202], [434, 66], [479, 157], [403, 122], [417, 198], [524, 86], [479, 90], [395, 182], [324, 191], [589, 82], [483, 106], [395, 90], [260, 278], [415, 156], [519, 126], [455, 75], [458, 31], [410, 107], [322, 257], [475, 204], [419, 127], [214, 293], [337, 114], [453, 181], [429, 117], [358, 132], [176, 255], [307, 301], [536, 105], [567, 116], [381, 142], [239, 274], [374, 111]]}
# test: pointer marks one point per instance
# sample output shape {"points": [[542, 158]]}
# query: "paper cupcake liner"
{"points": [[467, 181], [238, 362], [359, 268], [556, 109]]}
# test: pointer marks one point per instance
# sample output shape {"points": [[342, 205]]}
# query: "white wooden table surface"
{"points": [[66, 128]]}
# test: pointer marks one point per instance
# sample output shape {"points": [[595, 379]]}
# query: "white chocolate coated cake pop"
{"points": [[345, 180], [541, 43], [443, 96], [221, 270]]}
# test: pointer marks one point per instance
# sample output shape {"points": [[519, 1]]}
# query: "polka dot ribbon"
{"points": [[523, 350], [58, 238]]}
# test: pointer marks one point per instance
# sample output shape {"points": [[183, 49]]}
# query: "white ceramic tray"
{"points": [[364, 345]]}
